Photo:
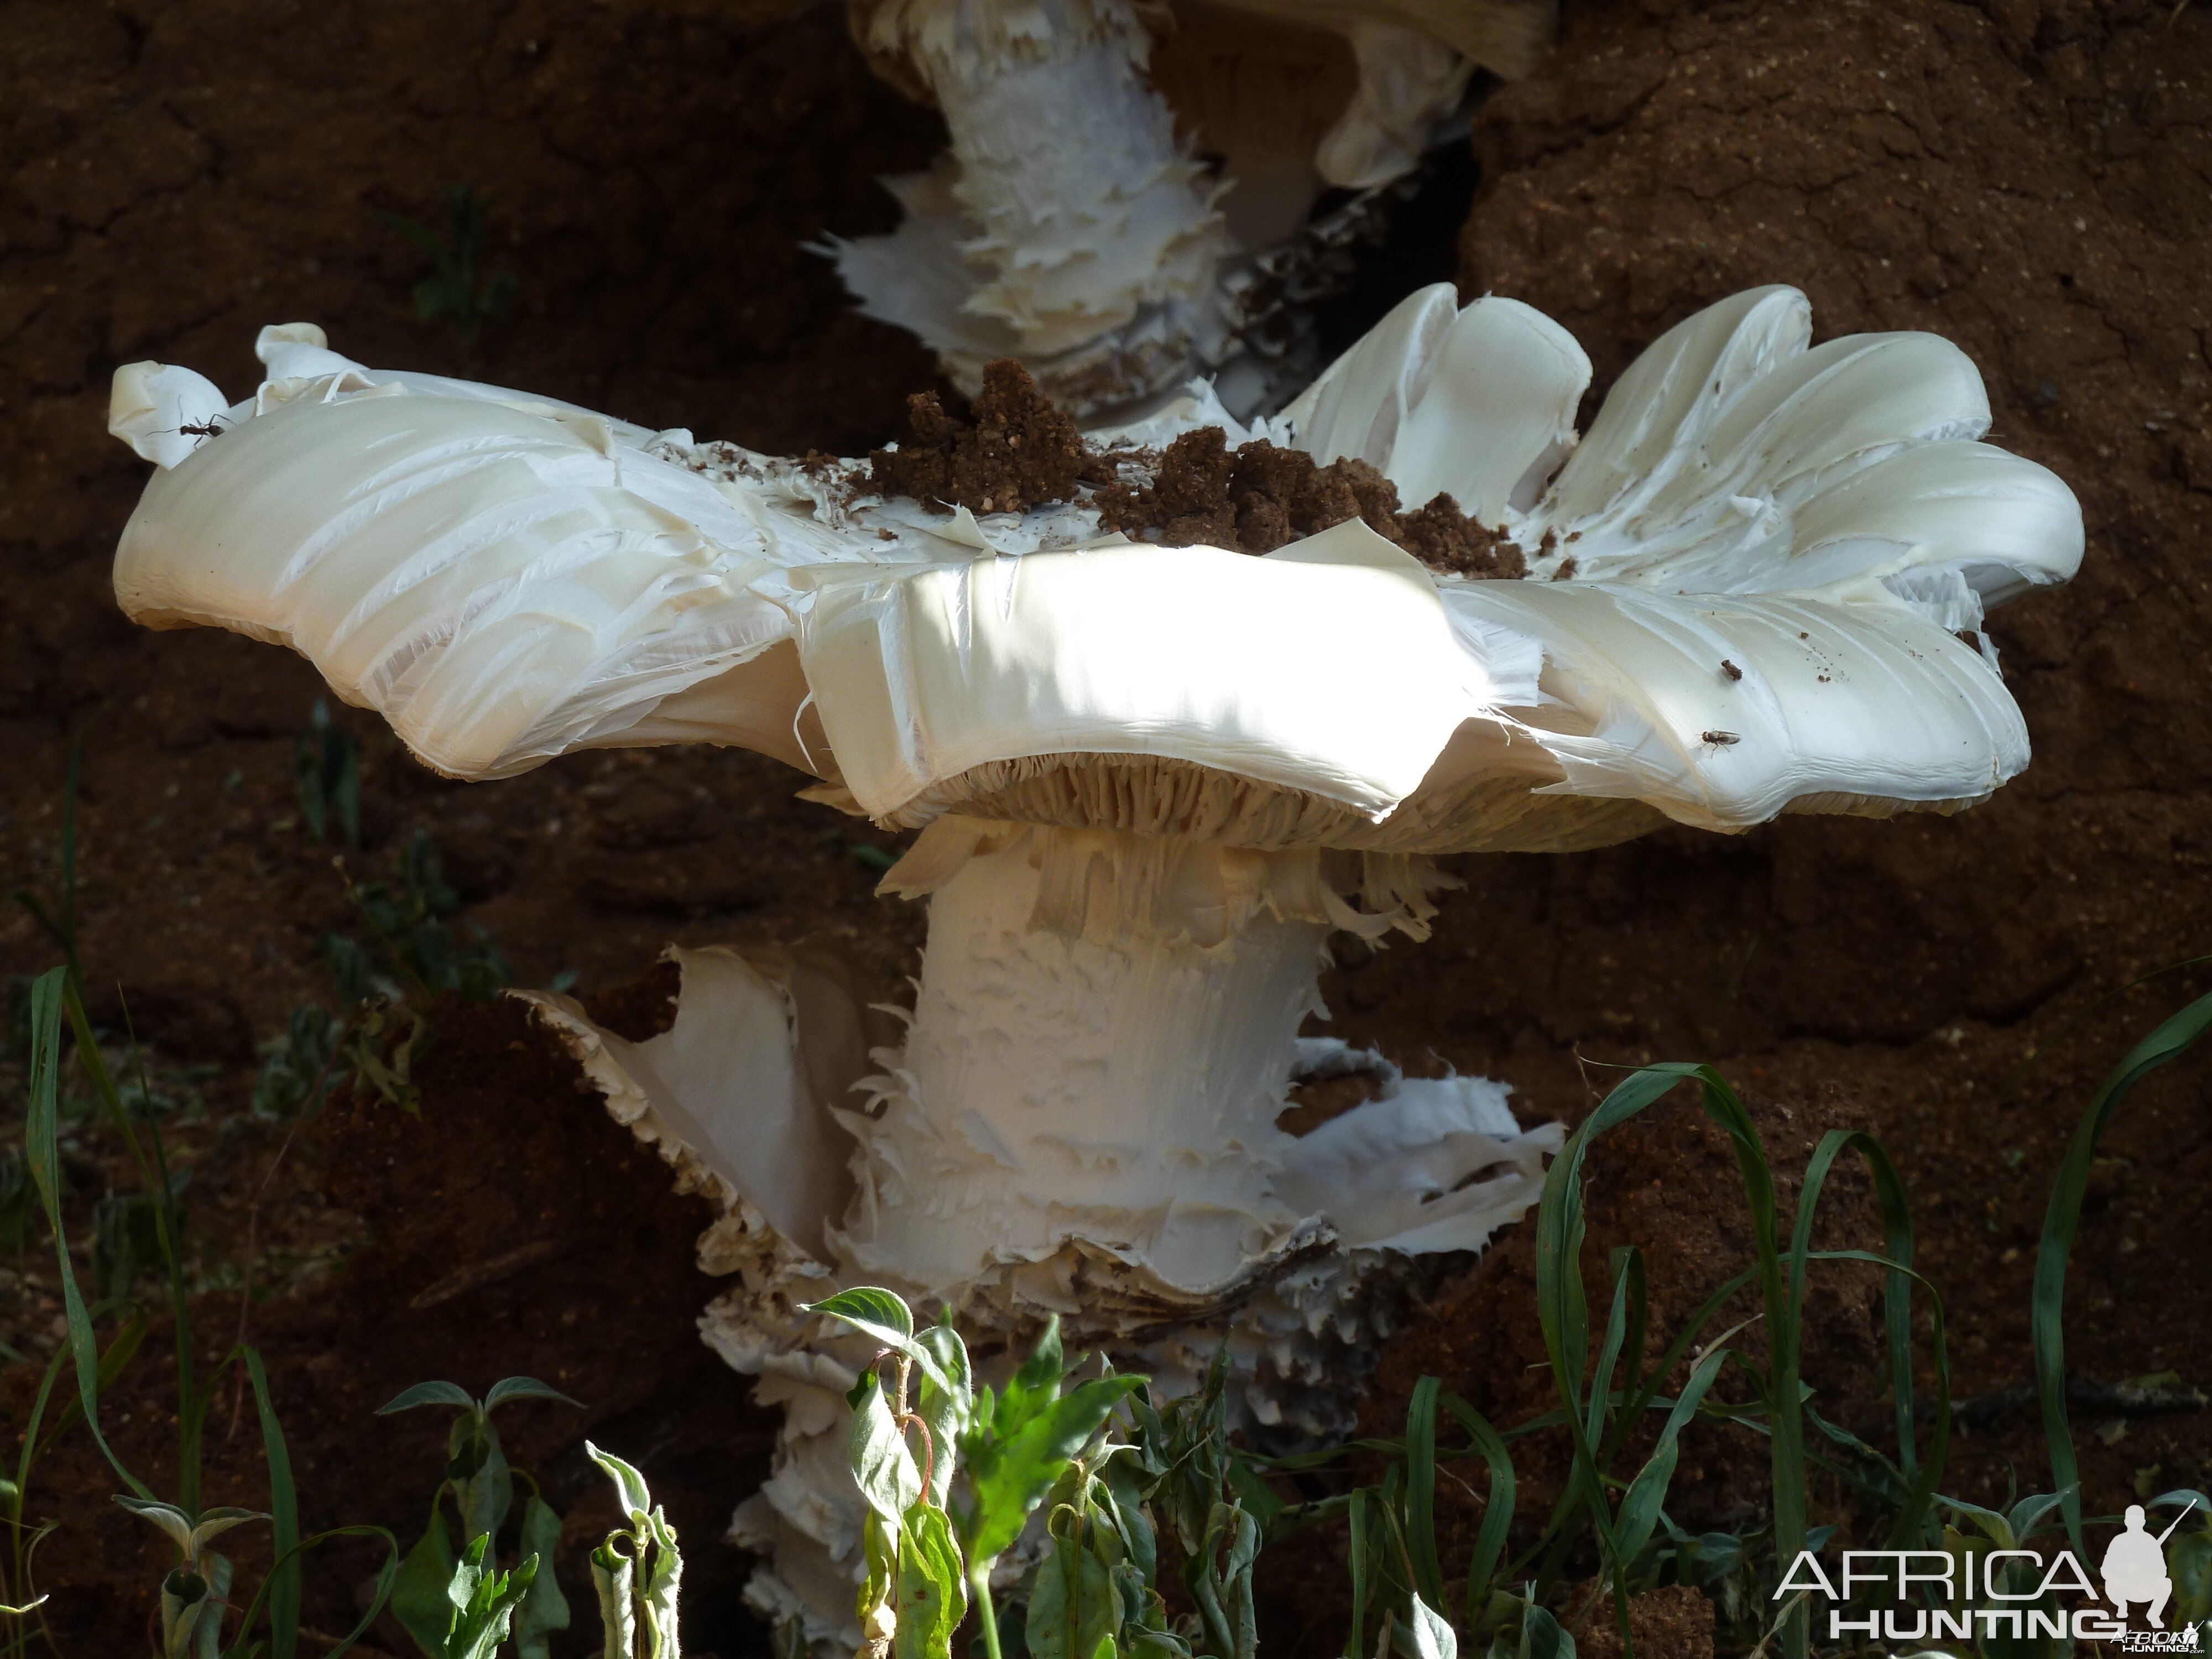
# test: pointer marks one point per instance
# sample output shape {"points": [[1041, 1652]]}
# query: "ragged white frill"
{"points": [[1081, 1121]]}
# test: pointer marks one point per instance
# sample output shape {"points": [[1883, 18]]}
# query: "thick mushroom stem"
{"points": [[1067, 226], [1120, 1084]]}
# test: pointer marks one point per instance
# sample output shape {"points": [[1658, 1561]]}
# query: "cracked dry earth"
{"points": [[2033, 180]]}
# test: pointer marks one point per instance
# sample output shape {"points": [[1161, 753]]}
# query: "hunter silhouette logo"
{"points": [[2134, 1567]]}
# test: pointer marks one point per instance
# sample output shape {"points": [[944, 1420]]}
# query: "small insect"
{"points": [[1730, 668], [1720, 739], [213, 427]]}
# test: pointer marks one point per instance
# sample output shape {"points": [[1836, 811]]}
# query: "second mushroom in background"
{"points": [[1152, 779], [1128, 194]]}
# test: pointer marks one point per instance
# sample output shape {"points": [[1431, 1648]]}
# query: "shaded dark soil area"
{"points": [[2033, 179], [511, 1227]]}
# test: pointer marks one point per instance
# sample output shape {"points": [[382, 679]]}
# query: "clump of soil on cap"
{"points": [[1021, 452], [1262, 497]]}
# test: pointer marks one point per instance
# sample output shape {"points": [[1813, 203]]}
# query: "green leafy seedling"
{"points": [[457, 293], [1011, 1447], [326, 761], [192, 1595], [299, 1067], [637, 1571], [428, 1598]]}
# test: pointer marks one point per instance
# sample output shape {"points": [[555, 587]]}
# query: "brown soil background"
{"points": [[2033, 177]]}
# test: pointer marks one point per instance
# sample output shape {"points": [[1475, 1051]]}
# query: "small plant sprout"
{"points": [[457, 293], [637, 1571], [1070, 224], [327, 762], [1151, 782], [453, 1602], [920, 1422], [193, 1595]]}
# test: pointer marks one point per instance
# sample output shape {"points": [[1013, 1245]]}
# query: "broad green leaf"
{"points": [[1009, 1478], [933, 1598], [525, 1388], [1047, 1363], [613, 1577], [1542, 1637], [207, 1636], [1220, 1580], [215, 1522], [874, 1602], [2028, 1513], [882, 1463], [944, 1412], [657, 1596], [184, 1598], [2188, 1563], [483, 1485], [1995, 1526], [1073, 1605], [637, 1501], [483, 1602], [873, 1310], [544, 1609], [429, 1394], [419, 1598], [1433, 1633], [883, 1316], [1124, 1484], [167, 1516]]}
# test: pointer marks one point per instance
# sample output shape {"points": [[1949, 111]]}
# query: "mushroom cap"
{"points": [[1757, 586]]}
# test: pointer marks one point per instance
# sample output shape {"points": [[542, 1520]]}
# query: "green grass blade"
{"points": [[1563, 1312], [1497, 1513], [153, 1174], [114, 1359], [1355, 1646], [2051, 1256], [2172, 1039], [1626, 1264], [1421, 1490], [1678, 1350], [1922, 1478], [243, 1648], [284, 1584], [1639, 1506], [41, 1135]]}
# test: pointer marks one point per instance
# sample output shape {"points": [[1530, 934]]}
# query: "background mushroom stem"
{"points": [[1067, 225]]}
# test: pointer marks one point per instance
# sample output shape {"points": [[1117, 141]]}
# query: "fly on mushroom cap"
{"points": [[1153, 780]]}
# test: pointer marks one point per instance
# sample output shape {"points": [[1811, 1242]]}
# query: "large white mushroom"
{"points": [[1127, 179], [1150, 780]]}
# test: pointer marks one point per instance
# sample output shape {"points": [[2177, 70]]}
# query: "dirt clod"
{"points": [[1262, 497], [1676, 1622], [1019, 451]]}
